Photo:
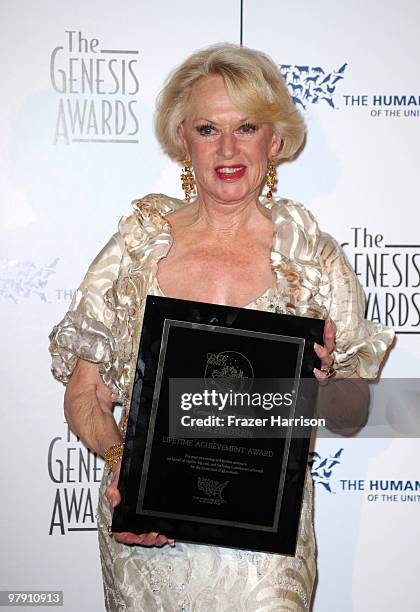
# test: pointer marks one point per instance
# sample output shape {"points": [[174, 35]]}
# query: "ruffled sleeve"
{"points": [[85, 330], [361, 345], [106, 312]]}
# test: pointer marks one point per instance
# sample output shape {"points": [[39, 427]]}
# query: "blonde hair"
{"points": [[254, 84]]}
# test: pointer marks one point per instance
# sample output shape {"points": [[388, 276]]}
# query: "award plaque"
{"points": [[219, 426]]}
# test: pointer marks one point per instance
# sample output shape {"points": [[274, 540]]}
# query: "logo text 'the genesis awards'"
{"points": [[74, 470], [390, 273], [97, 88]]}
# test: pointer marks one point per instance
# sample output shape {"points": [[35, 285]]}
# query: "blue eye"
{"points": [[205, 130], [248, 128]]}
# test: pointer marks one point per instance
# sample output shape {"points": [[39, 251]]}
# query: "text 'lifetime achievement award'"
{"points": [[219, 425]]}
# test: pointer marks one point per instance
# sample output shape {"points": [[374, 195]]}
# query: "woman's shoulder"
{"points": [[159, 203], [293, 213], [148, 217], [297, 231]]}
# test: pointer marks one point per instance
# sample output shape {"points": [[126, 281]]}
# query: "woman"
{"points": [[227, 112]]}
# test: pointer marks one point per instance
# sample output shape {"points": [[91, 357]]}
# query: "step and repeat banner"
{"points": [[79, 83]]}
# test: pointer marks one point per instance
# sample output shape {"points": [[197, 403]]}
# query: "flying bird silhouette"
{"points": [[326, 485], [314, 454], [342, 69], [329, 101]]}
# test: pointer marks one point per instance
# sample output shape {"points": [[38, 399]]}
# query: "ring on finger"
{"points": [[329, 371]]}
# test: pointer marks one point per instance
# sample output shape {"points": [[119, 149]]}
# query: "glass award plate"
{"points": [[219, 425]]}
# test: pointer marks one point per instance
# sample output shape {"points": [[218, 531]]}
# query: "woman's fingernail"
{"points": [[316, 345]]}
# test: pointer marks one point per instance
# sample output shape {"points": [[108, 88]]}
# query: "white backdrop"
{"points": [[75, 152]]}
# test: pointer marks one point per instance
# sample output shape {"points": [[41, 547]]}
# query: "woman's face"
{"points": [[229, 151]]}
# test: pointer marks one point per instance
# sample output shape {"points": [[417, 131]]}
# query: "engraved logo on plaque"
{"points": [[211, 488], [230, 365]]}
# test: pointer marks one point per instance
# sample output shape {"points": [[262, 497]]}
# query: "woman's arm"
{"points": [[354, 346], [342, 402], [88, 411], [88, 408]]}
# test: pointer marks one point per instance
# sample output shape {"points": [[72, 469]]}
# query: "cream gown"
{"points": [[313, 278]]}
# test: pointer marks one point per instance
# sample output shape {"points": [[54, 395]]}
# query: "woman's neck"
{"points": [[228, 219]]}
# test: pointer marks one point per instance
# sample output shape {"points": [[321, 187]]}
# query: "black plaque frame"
{"points": [[152, 496]]}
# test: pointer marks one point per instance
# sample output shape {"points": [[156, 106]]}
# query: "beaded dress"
{"points": [[103, 324]]}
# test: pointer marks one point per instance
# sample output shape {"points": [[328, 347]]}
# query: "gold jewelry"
{"points": [[109, 530], [113, 454], [329, 372], [187, 179], [271, 180]]}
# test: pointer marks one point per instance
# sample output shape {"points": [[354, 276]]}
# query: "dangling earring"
{"points": [[187, 179], [271, 180]]}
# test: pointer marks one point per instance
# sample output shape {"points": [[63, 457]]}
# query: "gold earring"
{"points": [[271, 180], [187, 179]]}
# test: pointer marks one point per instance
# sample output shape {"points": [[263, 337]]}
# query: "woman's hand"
{"points": [[125, 537], [324, 352]]}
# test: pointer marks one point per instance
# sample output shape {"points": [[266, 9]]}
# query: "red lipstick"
{"points": [[230, 173]]}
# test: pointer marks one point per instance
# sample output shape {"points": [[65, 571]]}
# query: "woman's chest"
{"points": [[218, 275]]}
